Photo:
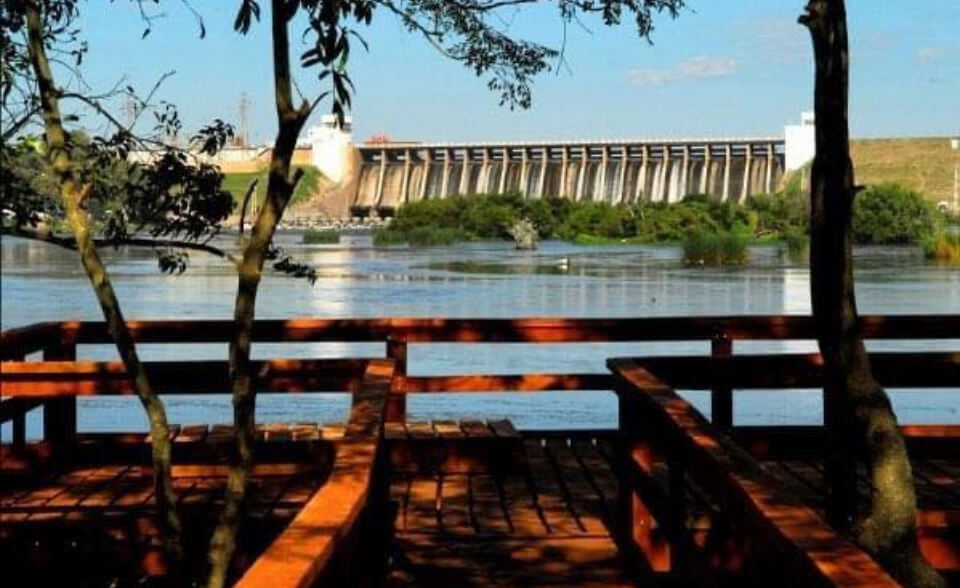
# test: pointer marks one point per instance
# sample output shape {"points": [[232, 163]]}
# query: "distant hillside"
{"points": [[925, 165]]}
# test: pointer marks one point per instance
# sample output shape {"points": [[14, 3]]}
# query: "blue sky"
{"points": [[730, 67]]}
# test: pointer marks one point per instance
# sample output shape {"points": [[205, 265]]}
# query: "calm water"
{"points": [[40, 283]]}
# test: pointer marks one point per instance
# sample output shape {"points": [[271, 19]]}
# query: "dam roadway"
{"points": [[730, 169]]}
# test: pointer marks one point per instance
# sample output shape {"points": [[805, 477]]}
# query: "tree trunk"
{"points": [[857, 412], [280, 187], [246, 202], [73, 194]]}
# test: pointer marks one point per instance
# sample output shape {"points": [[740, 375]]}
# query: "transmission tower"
{"points": [[130, 110], [243, 121]]}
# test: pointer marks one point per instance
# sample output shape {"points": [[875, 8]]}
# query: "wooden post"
{"points": [[19, 426], [397, 401], [721, 395], [60, 414], [636, 530]]}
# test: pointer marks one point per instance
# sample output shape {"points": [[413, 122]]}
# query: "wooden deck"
{"points": [[544, 524], [91, 520], [666, 498]]}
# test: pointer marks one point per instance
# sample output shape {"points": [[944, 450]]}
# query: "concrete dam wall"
{"points": [[616, 172]]}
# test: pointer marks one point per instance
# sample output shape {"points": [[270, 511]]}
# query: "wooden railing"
{"points": [[750, 524], [330, 521], [26, 385]]}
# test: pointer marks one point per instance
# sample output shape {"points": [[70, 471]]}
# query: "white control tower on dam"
{"points": [[730, 169]]}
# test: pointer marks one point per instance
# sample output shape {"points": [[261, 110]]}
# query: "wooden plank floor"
{"points": [[547, 525], [937, 481], [97, 519]]}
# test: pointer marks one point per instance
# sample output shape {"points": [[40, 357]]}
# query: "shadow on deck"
{"points": [[538, 514]]}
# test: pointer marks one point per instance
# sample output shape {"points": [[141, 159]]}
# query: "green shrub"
{"points": [[892, 214], [797, 244], [776, 214], [662, 222], [429, 213], [488, 219], [546, 214], [324, 237], [716, 248], [944, 246], [596, 218]]}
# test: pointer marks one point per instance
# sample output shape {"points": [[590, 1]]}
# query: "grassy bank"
{"points": [[924, 165], [237, 184]]}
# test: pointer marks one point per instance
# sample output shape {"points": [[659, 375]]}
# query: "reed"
{"points": [[716, 248]]}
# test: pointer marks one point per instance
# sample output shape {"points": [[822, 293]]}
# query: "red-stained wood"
{"points": [[306, 549], [532, 330], [808, 441], [82, 378], [16, 343], [809, 551]]}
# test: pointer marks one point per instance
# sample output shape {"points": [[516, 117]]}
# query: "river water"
{"points": [[487, 279]]}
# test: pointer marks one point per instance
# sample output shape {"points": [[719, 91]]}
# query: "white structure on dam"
{"points": [[392, 173]]}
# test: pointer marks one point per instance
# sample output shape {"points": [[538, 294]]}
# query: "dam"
{"points": [[392, 174], [385, 174]]}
